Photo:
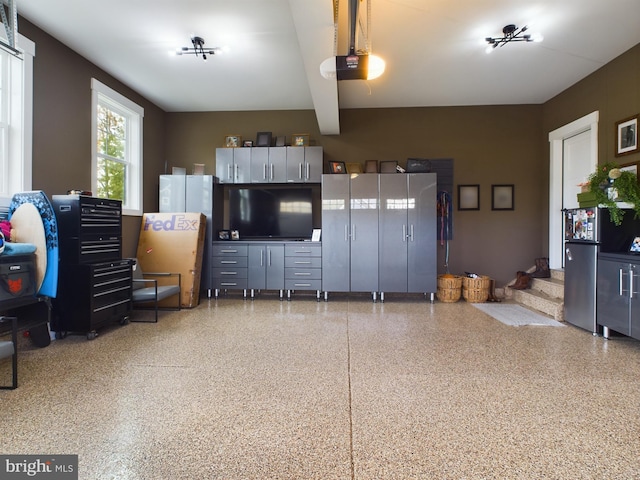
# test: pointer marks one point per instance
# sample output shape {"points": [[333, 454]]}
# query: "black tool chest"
{"points": [[94, 282]]}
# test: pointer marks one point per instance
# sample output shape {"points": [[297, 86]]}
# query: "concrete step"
{"points": [[553, 287], [558, 274], [540, 301]]}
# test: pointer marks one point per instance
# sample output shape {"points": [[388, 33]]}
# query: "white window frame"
{"points": [[102, 94], [16, 133]]}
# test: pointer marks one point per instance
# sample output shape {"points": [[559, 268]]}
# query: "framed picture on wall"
{"points": [[627, 136], [501, 197], [468, 197]]}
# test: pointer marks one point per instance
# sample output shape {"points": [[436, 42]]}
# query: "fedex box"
{"points": [[174, 242]]}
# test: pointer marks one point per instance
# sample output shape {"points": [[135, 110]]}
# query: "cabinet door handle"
{"points": [[271, 172], [346, 233], [235, 171], [404, 233], [631, 283], [300, 171], [269, 257], [411, 232], [308, 172], [229, 176], [620, 282], [261, 258], [353, 232]]}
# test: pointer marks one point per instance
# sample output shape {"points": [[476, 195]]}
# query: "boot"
{"points": [[523, 279], [492, 292], [542, 268]]}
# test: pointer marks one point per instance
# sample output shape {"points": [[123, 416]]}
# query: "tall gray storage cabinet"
{"points": [[350, 233], [408, 233], [192, 193]]}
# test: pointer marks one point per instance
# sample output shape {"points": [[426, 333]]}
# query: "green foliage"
{"points": [[625, 183], [111, 178]]}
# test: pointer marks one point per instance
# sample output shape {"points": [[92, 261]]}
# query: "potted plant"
{"points": [[610, 185]]}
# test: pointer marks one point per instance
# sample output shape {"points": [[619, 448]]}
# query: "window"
{"points": [[16, 117], [116, 169]]}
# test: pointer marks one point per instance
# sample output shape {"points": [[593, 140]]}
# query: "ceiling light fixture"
{"points": [[197, 49], [357, 65], [511, 34]]}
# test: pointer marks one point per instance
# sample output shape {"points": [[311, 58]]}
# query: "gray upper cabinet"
{"points": [[304, 164], [268, 164], [233, 165], [407, 233], [350, 233]]}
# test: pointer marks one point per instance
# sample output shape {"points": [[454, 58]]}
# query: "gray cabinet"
{"points": [[266, 267], [268, 164], [407, 233], [618, 295], [350, 233], [229, 267], [233, 165], [304, 164], [303, 267], [192, 193]]}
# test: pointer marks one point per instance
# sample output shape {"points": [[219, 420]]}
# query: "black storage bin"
{"points": [[17, 276]]}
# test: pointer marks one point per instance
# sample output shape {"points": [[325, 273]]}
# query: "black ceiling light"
{"points": [[197, 49], [511, 34]]}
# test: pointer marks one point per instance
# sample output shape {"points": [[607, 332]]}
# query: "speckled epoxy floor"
{"points": [[241, 389]]}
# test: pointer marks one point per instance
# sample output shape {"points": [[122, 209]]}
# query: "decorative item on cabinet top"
{"points": [[263, 139], [232, 141], [300, 140], [337, 167]]}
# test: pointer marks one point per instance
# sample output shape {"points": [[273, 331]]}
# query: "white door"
{"points": [[573, 156], [577, 165]]}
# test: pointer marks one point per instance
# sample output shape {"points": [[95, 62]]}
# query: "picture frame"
{"points": [[502, 197], [627, 136], [263, 139], [337, 167], [388, 166], [371, 166], [247, 143], [468, 197], [354, 167], [235, 235], [224, 234], [300, 140], [232, 141], [281, 141]]}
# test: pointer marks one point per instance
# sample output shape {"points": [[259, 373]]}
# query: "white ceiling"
{"points": [[433, 48]]}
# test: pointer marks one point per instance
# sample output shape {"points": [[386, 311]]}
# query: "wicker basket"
{"points": [[476, 290], [449, 288]]}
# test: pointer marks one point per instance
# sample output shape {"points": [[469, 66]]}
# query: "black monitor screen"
{"points": [[271, 212]]}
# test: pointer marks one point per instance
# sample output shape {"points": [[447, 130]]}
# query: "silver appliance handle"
{"points": [[568, 252], [620, 282]]}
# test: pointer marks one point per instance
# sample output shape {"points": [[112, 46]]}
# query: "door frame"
{"points": [[556, 144]]}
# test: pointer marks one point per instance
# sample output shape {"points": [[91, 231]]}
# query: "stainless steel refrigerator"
{"points": [[192, 193], [589, 231]]}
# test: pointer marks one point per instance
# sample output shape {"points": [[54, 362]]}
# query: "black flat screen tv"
{"points": [[271, 213]]}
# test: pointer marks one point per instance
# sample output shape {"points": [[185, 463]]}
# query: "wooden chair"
{"points": [[10, 349], [154, 293]]}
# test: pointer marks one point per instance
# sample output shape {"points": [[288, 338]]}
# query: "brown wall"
{"points": [[489, 145]]}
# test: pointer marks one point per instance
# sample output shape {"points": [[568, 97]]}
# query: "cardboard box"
{"points": [[174, 242]]}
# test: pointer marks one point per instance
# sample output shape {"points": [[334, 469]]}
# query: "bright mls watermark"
{"points": [[51, 467]]}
